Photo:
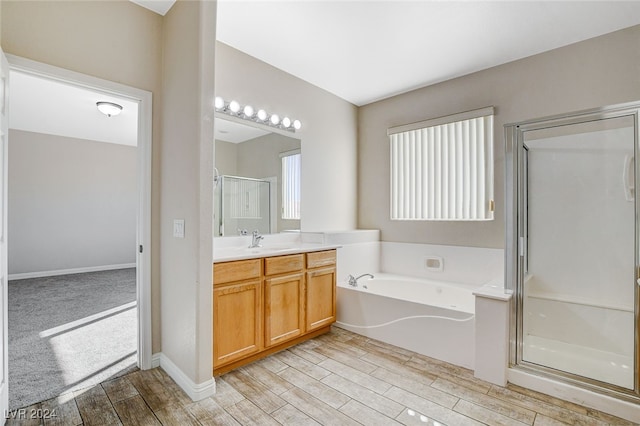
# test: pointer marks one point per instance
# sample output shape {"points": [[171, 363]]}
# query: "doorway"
{"points": [[140, 244]]}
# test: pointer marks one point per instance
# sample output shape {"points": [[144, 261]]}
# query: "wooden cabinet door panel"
{"points": [[320, 298], [284, 308], [237, 323]]}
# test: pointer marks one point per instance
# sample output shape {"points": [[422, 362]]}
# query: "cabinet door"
{"points": [[321, 298], [237, 321], [284, 308]]}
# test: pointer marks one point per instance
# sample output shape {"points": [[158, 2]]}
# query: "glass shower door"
{"points": [[242, 203], [578, 250]]}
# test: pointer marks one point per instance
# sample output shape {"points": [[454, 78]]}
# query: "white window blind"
{"points": [[442, 169], [291, 185]]}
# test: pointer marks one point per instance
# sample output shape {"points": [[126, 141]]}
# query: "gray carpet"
{"points": [[69, 332]]}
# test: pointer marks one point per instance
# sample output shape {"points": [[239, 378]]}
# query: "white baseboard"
{"points": [[41, 274], [196, 391], [155, 360]]}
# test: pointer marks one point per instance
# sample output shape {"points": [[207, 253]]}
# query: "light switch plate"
{"points": [[178, 228]]}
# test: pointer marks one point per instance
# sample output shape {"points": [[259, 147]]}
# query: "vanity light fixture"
{"points": [[219, 102], [234, 107], [109, 108], [261, 116], [248, 111]]}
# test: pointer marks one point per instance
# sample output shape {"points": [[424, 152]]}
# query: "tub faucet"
{"points": [[353, 282], [256, 238]]}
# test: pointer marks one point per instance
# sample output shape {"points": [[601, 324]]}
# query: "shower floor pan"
{"points": [[600, 365]]}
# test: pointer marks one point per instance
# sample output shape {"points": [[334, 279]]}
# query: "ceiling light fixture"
{"points": [[261, 116], [109, 108]]}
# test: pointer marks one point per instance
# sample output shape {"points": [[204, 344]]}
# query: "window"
{"points": [[442, 169], [291, 184]]}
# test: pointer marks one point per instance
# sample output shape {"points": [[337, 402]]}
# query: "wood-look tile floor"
{"points": [[337, 379]]}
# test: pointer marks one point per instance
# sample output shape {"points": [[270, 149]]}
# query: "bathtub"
{"points": [[432, 318]]}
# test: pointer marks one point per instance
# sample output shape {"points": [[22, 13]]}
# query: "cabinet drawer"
{"points": [[282, 264], [321, 258], [227, 272]]}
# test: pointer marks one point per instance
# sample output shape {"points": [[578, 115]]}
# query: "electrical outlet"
{"points": [[178, 228]]}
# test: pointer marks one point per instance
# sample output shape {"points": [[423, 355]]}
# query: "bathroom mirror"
{"points": [[257, 179]]}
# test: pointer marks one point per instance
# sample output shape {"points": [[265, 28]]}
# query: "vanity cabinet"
{"points": [[237, 310], [284, 308], [262, 306], [321, 289], [284, 298]]}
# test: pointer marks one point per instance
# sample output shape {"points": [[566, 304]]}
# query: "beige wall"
{"points": [[187, 186], [72, 203], [65, 34], [597, 72], [329, 133], [226, 157]]}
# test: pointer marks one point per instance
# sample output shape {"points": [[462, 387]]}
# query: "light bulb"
{"points": [[234, 107], [248, 111], [219, 102], [262, 115], [286, 122], [297, 124], [275, 119]]}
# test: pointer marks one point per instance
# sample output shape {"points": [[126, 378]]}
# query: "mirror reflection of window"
{"points": [[291, 185]]}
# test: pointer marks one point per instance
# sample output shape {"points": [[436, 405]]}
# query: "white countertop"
{"points": [[226, 254], [494, 290]]}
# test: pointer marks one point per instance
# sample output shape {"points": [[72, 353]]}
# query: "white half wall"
{"points": [[72, 203]]}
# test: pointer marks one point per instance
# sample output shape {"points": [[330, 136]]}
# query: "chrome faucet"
{"points": [[353, 282], [255, 241]]}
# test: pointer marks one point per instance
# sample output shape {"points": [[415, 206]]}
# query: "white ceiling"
{"points": [[160, 7], [360, 50], [233, 132], [366, 50], [45, 106]]}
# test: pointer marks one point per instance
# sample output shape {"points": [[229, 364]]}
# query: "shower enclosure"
{"points": [[572, 247], [241, 204]]}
